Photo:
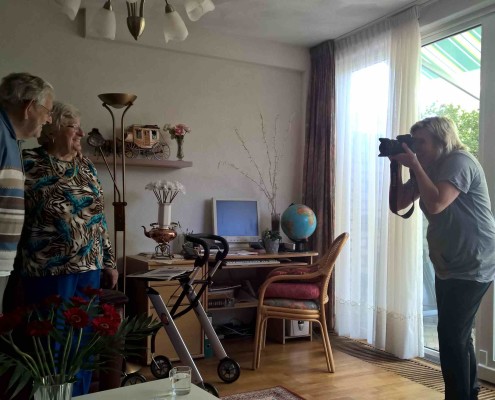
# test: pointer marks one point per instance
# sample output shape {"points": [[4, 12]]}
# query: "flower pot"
{"points": [[61, 391], [271, 246]]}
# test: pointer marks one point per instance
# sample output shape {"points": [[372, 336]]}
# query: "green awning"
{"points": [[455, 60]]}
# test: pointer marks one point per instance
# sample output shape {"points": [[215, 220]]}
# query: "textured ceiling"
{"points": [[297, 22]]}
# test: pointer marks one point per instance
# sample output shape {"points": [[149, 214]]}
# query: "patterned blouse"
{"points": [[65, 229]]}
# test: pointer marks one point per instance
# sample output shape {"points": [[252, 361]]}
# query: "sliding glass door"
{"points": [[450, 86]]}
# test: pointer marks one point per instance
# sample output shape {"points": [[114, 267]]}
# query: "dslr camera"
{"points": [[391, 147]]}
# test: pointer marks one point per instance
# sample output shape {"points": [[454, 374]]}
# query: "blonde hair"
{"points": [[61, 114], [444, 132]]}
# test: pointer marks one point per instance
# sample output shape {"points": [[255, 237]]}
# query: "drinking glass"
{"points": [[180, 378]]}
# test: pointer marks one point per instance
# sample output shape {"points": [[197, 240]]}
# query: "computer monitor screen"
{"points": [[236, 220]]}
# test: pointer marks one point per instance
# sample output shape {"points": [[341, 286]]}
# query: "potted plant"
{"points": [[271, 240]]}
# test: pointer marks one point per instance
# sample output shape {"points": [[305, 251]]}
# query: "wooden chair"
{"points": [[297, 293]]}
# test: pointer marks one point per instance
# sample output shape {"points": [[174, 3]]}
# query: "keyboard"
{"points": [[266, 261]]}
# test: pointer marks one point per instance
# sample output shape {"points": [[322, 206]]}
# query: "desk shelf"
{"points": [[247, 304], [261, 270], [285, 264]]}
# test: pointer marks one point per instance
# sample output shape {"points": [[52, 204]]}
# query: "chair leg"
{"points": [[263, 337], [257, 340], [326, 344], [262, 340]]}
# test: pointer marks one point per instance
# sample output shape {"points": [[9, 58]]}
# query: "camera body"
{"points": [[391, 147]]}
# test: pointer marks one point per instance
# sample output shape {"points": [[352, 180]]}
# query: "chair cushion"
{"points": [[291, 303], [299, 291], [300, 270]]}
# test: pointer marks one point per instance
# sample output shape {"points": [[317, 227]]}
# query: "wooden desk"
{"points": [[158, 390], [256, 275]]}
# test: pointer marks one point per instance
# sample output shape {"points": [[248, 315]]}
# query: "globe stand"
{"points": [[301, 245]]}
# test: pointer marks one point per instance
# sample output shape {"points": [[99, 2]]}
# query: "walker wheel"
{"points": [[228, 370], [133, 379], [210, 389], [160, 367]]}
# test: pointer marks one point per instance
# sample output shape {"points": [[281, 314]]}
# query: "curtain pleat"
{"points": [[379, 272], [319, 155]]}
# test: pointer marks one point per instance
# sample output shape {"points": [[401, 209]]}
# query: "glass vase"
{"points": [[276, 222], [62, 391], [180, 150]]}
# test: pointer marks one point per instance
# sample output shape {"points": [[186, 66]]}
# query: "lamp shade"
{"points": [[197, 8], [69, 7], [103, 24], [174, 27]]}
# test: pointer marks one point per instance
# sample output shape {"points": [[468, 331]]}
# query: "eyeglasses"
{"points": [[49, 112], [73, 126]]}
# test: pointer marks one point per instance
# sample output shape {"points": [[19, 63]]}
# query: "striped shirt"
{"points": [[11, 194]]}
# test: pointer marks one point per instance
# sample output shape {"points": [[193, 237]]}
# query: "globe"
{"points": [[298, 223]]}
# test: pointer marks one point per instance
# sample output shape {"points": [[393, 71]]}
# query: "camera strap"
{"points": [[394, 176]]}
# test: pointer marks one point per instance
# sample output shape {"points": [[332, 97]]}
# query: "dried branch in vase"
{"points": [[266, 183]]}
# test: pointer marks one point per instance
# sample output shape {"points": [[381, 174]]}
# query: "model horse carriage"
{"points": [[146, 140]]}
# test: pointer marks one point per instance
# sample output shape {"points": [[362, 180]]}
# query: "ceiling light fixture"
{"points": [[135, 22], [104, 24], [69, 7], [174, 27], [197, 8]]}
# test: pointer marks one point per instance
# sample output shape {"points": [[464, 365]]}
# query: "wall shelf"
{"points": [[144, 162]]}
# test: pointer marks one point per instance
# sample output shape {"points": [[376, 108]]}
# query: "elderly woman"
{"points": [[453, 193], [64, 245]]}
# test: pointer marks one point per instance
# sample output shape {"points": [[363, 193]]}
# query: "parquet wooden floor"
{"points": [[300, 366]]}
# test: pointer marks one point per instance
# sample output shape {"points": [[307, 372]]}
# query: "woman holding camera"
{"points": [[451, 186]]}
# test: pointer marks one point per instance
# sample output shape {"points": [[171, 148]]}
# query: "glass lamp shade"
{"points": [[197, 8], [69, 7], [103, 24], [174, 27]]}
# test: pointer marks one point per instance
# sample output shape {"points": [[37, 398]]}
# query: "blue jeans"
{"points": [[457, 302], [66, 286]]}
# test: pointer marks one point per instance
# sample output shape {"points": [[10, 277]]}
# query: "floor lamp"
{"points": [[117, 101]]}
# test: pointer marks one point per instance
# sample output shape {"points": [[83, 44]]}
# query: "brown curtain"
{"points": [[319, 156]]}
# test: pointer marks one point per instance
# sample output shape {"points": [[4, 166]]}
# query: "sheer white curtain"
{"points": [[378, 277]]}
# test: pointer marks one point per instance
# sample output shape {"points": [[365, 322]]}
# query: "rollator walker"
{"points": [[228, 370]]}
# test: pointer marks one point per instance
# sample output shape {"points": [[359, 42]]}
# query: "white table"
{"points": [[159, 390]]}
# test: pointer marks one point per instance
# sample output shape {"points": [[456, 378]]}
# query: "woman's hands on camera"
{"points": [[407, 159]]}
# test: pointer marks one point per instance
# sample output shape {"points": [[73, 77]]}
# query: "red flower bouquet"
{"points": [[63, 337]]}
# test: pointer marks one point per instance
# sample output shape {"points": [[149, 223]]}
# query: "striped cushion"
{"points": [[290, 303]]}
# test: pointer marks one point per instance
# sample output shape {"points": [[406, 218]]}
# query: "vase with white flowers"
{"points": [[165, 192]]}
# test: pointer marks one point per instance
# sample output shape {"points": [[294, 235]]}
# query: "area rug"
{"points": [[274, 393], [418, 371]]}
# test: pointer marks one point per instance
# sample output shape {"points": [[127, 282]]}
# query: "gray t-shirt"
{"points": [[461, 238]]}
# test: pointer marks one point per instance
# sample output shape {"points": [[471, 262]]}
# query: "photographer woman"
{"points": [[453, 193]]}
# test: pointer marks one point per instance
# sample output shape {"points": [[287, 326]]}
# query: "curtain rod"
{"points": [[418, 3]]}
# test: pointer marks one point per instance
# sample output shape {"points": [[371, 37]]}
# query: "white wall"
{"points": [[212, 94]]}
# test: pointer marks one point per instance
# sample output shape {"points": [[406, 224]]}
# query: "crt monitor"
{"points": [[237, 220]]}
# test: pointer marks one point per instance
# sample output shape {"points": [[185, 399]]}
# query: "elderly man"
{"points": [[25, 106]]}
